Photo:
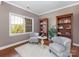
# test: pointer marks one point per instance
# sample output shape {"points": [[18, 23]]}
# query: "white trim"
{"points": [[21, 7], [4, 47], [32, 25], [60, 8], [75, 44], [16, 34]]}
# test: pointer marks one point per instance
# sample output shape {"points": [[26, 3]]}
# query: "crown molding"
{"points": [[60, 8], [43, 12], [20, 7], [0, 2]]}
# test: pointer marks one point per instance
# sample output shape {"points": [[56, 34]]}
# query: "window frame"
{"points": [[15, 34]]}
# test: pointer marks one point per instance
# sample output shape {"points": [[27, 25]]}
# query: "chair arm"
{"points": [[68, 45]]}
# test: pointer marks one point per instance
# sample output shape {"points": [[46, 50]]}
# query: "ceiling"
{"points": [[42, 7]]}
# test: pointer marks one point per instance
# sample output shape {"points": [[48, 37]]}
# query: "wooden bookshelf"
{"points": [[44, 27], [64, 25]]}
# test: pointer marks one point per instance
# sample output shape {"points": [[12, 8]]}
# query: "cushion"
{"points": [[57, 47], [59, 40]]}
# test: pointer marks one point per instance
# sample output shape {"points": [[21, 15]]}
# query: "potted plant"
{"points": [[52, 32]]}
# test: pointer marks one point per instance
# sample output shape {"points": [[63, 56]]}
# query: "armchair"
{"points": [[34, 37], [60, 46]]}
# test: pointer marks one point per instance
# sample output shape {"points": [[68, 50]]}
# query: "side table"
{"points": [[44, 40]]}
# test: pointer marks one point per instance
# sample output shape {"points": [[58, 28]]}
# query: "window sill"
{"points": [[19, 34]]}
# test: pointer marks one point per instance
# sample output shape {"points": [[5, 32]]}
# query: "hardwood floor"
{"points": [[75, 51], [10, 52]]}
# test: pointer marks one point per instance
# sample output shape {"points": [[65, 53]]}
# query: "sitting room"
{"points": [[39, 29]]}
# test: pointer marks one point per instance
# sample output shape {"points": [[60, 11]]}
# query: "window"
{"points": [[28, 25], [20, 24]]}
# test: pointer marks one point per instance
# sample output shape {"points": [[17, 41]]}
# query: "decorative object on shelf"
{"points": [[61, 27], [59, 33], [52, 31], [64, 25], [67, 21]]}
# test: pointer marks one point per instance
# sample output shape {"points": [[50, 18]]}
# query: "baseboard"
{"points": [[74, 44], [4, 47]]}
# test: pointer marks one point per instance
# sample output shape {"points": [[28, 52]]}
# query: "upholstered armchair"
{"points": [[61, 46], [34, 37]]}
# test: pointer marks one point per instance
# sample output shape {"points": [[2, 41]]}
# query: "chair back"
{"points": [[34, 34]]}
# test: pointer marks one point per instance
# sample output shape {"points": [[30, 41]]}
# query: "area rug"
{"points": [[34, 50]]}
